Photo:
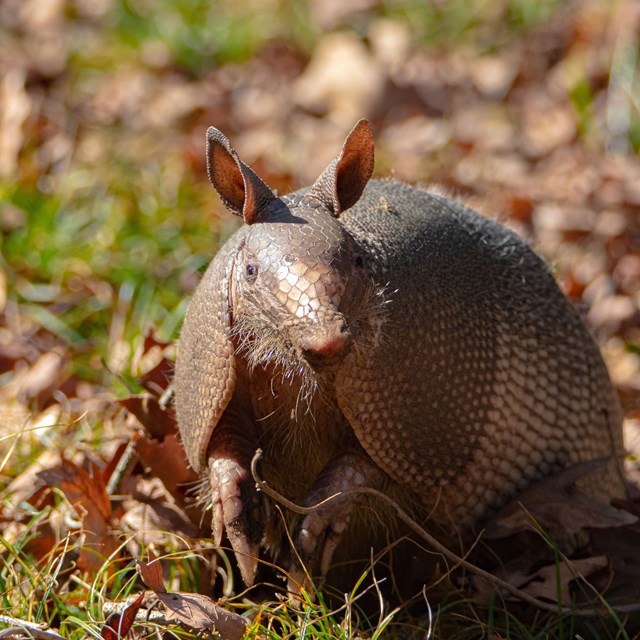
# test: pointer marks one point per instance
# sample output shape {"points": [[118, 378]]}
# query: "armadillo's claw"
{"points": [[236, 510], [318, 537], [320, 532], [246, 552]]}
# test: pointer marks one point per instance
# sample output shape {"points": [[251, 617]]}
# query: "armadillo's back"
{"points": [[485, 378]]}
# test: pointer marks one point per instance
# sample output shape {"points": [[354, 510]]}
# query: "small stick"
{"points": [[438, 546], [123, 469]]}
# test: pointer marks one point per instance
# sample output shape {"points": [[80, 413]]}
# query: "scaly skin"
{"points": [[367, 333]]}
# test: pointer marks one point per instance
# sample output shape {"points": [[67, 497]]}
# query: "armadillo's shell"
{"points": [[485, 377]]}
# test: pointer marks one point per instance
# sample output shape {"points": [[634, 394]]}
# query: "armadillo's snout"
{"points": [[312, 292], [327, 343]]}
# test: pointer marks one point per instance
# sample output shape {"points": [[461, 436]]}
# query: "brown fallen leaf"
{"points": [[81, 487], [39, 379], [87, 493], [197, 611], [152, 517], [29, 486], [202, 613], [558, 507], [621, 548], [16, 105], [167, 461], [154, 417], [117, 625], [157, 379], [546, 125], [553, 581], [343, 79], [151, 574]]}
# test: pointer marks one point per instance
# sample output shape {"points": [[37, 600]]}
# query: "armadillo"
{"points": [[367, 333]]}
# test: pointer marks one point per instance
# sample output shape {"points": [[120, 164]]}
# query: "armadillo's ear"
{"points": [[238, 186], [343, 181]]}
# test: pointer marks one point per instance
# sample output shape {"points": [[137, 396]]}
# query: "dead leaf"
{"points": [[558, 507], [29, 486], [158, 420], [154, 518], [117, 625], [15, 105], [202, 613], [620, 546], [81, 488], [87, 493], [192, 609], [343, 80], [555, 580], [168, 462], [38, 380], [493, 75], [151, 574], [613, 314], [546, 125]]}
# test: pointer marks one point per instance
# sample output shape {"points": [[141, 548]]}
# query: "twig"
{"points": [[123, 469], [149, 614], [435, 544], [21, 628]]}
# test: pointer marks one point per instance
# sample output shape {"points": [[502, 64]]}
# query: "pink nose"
{"points": [[326, 345]]}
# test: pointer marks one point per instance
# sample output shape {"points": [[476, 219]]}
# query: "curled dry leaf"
{"points": [[192, 609], [168, 462], [342, 80], [155, 418], [552, 582], [16, 105], [152, 517], [151, 574], [202, 613], [29, 486], [39, 379]]}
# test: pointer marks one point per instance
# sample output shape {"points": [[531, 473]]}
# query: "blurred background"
{"points": [[527, 109]]}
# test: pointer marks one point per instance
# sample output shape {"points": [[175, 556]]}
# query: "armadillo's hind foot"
{"points": [[319, 533]]}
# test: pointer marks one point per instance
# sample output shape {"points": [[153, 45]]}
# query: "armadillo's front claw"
{"points": [[236, 510]]}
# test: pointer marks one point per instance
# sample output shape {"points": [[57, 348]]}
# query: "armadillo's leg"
{"points": [[320, 532], [235, 502]]}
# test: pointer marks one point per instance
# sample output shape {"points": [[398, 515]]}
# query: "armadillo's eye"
{"points": [[359, 262], [251, 271]]}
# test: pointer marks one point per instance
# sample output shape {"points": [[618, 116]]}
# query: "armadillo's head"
{"points": [[299, 290], [301, 277]]}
